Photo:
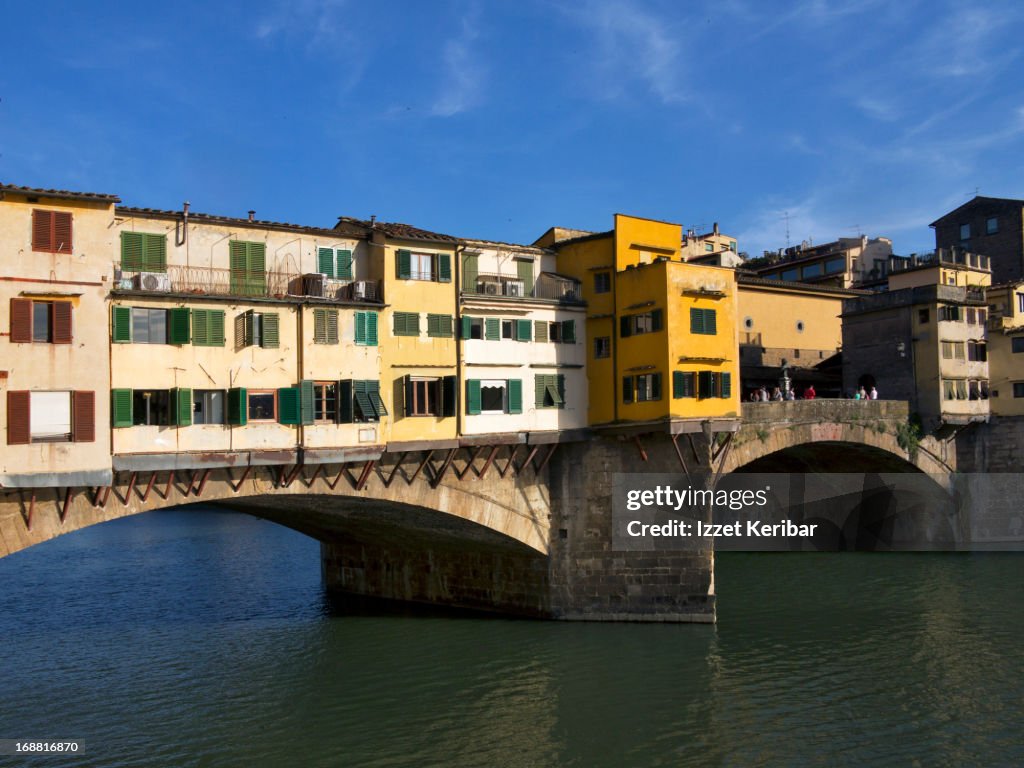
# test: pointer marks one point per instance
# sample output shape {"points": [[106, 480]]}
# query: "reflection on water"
{"points": [[203, 637]]}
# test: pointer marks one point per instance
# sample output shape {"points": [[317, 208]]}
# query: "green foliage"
{"points": [[762, 435], [908, 435]]}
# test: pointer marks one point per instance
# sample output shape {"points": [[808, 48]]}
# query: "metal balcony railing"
{"points": [[548, 287]]}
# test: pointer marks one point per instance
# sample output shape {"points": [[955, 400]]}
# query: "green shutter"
{"points": [[289, 405], [200, 327], [216, 327], [677, 385], [406, 324], [444, 267], [332, 326], [345, 401], [432, 325], [121, 407], [710, 321], [492, 329], [361, 392], [373, 392], [406, 395], [467, 327], [371, 329], [325, 261], [515, 395], [181, 403], [248, 265], [524, 271], [522, 330], [320, 326], [257, 269], [238, 264], [360, 327], [122, 324], [179, 325], [696, 320], [449, 388], [238, 401], [726, 385], [470, 269], [568, 331], [154, 253], [131, 251], [540, 386], [627, 389], [473, 397], [404, 259], [560, 388], [344, 264], [655, 386], [540, 330], [271, 331], [307, 395]]}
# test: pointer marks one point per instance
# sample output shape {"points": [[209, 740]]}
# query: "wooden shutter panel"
{"points": [[272, 331], [332, 326], [560, 387], [238, 406], [289, 405], [373, 391], [657, 320], [515, 395], [344, 264], [677, 385], [319, 326], [121, 321], [540, 386], [42, 230], [470, 268], [325, 261], [21, 321], [121, 407], [180, 325], [696, 320], [61, 232], [710, 321], [131, 251], [627, 389], [568, 331], [345, 401], [449, 388], [216, 327], [407, 395], [18, 418], [61, 322], [467, 327], [444, 267], [371, 329], [154, 253], [238, 264], [492, 329], [306, 397], [432, 325], [83, 417], [360, 330], [473, 396], [540, 330], [181, 403], [522, 330], [656, 386], [201, 327], [725, 391], [404, 260]]}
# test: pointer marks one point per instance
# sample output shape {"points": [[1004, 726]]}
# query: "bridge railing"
{"points": [[826, 409]]}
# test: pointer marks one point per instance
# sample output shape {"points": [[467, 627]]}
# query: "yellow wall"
{"points": [[769, 317], [641, 241], [1006, 367], [939, 275], [644, 353]]}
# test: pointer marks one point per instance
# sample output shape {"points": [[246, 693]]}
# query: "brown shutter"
{"points": [[62, 322], [83, 417], [18, 418], [42, 230], [21, 321], [61, 232]]}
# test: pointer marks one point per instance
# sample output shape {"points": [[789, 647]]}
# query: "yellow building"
{"points": [[55, 367], [661, 333], [1006, 348], [951, 266], [239, 341], [419, 349]]}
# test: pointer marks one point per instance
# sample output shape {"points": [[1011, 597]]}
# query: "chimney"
{"points": [[252, 215], [184, 208], [715, 229], [373, 221]]}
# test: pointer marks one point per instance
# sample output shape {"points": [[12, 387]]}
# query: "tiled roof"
{"points": [[518, 246], [584, 238], [230, 220], [394, 229], [63, 194], [745, 278]]}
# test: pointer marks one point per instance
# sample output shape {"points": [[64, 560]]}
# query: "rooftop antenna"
{"points": [[976, 191], [856, 228], [785, 215]]}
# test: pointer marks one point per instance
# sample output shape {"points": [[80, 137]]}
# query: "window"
{"points": [[440, 326], [325, 326], [262, 329], [366, 329], [711, 384], [684, 384], [51, 231], [647, 322], [922, 316], [991, 226], [977, 351], [540, 330], [965, 231], [602, 282], [708, 247], [428, 396], [508, 329], [952, 350], [149, 326], [1018, 389], [48, 417], [1020, 302], [142, 325], [703, 321], [812, 270], [732, 246], [971, 316], [648, 387], [325, 401], [949, 313], [208, 327], [335, 262], [406, 324], [41, 322], [143, 252], [555, 332], [1017, 344], [494, 396], [602, 346], [360, 401], [248, 261], [262, 405], [424, 266], [208, 406], [549, 390], [151, 407], [792, 275]]}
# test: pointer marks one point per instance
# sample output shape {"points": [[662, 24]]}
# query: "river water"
{"points": [[200, 637]]}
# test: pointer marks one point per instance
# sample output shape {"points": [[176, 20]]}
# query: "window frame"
{"points": [[249, 393], [203, 397], [602, 344], [603, 282], [164, 413]]}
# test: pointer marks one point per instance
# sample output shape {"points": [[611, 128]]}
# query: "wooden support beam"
{"points": [[332, 486], [679, 455], [473, 457], [316, 474], [170, 483], [640, 447], [721, 464], [387, 480], [149, 487], [508, 464], [101, 492], [290, 477], [444, 468], [235, 487], [67, 503], [528, 462], [191, 482], [487, 463], [202, 483], [419, 469], [551, 452], [31, 509], [365, 475], [131, 485], [696, 456]]}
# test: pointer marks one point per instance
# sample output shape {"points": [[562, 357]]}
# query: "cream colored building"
{"points": [[232, 340], [711, 248], [55, 367], [523, 343], [949, 266], [1006, 348]]}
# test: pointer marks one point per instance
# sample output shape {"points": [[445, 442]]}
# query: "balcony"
{"points": [[547, 287], [209, 281]]}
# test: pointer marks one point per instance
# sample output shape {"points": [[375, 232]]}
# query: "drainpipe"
{"points": [[300, 315], [457, 333]]}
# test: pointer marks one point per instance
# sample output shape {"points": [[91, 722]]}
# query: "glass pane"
{"points": [[140, 326], [261, 406], [40, 321], [158, 326]]}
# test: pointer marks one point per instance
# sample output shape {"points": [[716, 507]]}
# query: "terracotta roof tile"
{"points": [[60, 193]]}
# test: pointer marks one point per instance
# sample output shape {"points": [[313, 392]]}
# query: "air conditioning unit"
{"points": [[515, 288], [314, 284], [364, 290], [125, 283], [489, 287], [152, 281]]}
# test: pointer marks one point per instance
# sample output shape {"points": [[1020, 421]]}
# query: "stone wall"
{"points": [[997, 446]]}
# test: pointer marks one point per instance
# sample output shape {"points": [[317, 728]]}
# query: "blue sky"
{"points": [[500, 119]]}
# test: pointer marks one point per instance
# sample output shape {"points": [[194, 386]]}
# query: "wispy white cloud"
{"points": [[464, 74]]}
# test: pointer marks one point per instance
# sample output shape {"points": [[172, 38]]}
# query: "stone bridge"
{"points": [[510, 527]]}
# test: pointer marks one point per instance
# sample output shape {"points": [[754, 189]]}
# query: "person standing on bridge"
{"points": [[809, 393], [873, 394]]}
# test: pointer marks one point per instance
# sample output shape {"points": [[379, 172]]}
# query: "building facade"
{"points": [[993, 226], [1006, 348], [843, 263]]}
